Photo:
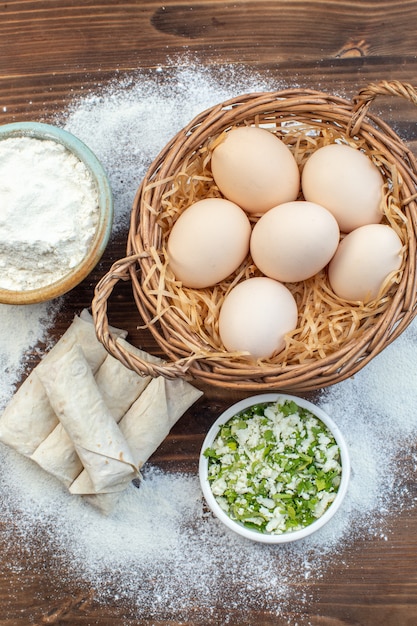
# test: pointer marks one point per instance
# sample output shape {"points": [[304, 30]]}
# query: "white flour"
{"points": [[161, 557], [48, 213]]}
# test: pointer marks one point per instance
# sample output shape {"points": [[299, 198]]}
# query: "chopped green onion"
{"points": [[275, 467]]}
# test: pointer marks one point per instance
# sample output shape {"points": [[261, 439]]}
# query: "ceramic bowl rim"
{"points": [[253, 534]]}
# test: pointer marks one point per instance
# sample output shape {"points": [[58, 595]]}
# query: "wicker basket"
{"points": [[192, 354]]}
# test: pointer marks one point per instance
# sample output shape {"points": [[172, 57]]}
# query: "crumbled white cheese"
{"points": [[277, 468]]}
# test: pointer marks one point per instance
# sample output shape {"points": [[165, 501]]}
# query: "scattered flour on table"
{"points": [[22, 328], [161, 552], [129, 122]]}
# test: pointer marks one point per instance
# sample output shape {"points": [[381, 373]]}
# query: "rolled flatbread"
{"points": [[79, 405], [151, 417], [119, 388], [29, 418], [119, 385], [57, 456], [145, 426]]}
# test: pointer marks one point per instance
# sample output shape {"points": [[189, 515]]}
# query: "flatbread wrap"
{"points": [[119, 387], [79, 405], [29, 418], [145, 426]]}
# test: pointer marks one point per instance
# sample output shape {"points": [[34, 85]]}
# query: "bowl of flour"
{"points": [[56, 212]]}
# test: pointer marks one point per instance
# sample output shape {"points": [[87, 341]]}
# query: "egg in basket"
{"points": [[329, 179]]}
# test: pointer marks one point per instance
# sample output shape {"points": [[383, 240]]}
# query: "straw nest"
{"points": [[334, 339]]}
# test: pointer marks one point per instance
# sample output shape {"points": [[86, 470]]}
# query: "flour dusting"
{"points": [[128, 123]]}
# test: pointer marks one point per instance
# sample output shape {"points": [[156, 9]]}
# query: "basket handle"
{"points": [[365, 97], [122, 270]]}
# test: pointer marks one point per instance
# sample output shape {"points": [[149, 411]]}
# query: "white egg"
{"points": [[345, 181], [293, 241], [208, 242], [255, 169], [363, 260], [255, 317]]}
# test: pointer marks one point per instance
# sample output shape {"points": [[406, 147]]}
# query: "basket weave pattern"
{"points": [[200, 355]]}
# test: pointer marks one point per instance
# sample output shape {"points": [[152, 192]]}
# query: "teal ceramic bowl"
{"points": [[103, 230]]}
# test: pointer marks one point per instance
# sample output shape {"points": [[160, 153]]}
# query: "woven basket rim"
{"points": [[354, 119]]}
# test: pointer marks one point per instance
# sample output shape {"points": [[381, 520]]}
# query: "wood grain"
{"points": [[54, 51]]}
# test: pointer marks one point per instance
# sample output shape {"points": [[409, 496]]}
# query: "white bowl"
{"points": [[253, 534]]}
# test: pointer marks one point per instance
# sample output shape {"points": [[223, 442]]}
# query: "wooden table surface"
{"points": [[55, 51]]}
